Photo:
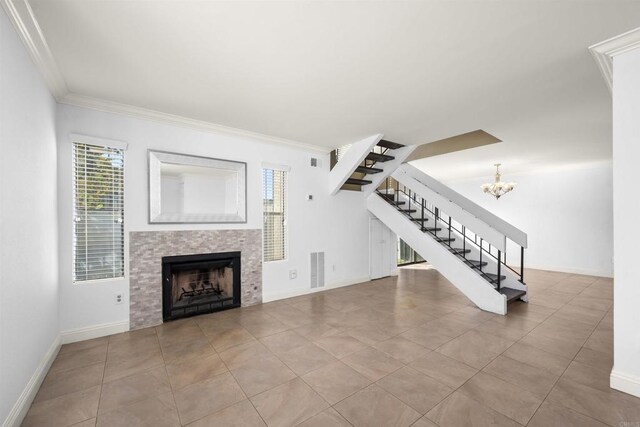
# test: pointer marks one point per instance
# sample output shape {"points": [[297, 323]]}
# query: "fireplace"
{"points": [[198, 284]]}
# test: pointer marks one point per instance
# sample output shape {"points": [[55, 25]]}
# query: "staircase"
{"points": [[366, 165], [462, 240]]}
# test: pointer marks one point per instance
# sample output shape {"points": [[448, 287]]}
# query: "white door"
{"points": [[381, 249]]}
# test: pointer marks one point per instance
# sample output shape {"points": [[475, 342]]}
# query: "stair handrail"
{"points": [[500, 225], [436, 214]]}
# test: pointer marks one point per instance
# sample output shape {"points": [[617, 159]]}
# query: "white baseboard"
{"points": [[566, 270], [300, 292], [95, 331], [20, 408], [625, 383]]}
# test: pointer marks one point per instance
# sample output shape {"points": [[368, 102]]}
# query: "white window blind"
{"points": [[274, 208], [98, 209]]}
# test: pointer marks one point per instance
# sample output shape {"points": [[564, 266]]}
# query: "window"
{"points": [[98, 202], [274, 230]]}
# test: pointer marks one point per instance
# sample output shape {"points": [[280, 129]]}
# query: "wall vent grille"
{"points": [[317, 270]]}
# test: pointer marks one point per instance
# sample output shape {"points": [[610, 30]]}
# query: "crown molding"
{"points": [[158, 116], [21, 16], [604, 52]]}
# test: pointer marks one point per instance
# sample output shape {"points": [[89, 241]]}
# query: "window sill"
{"points": [[99, 281]]}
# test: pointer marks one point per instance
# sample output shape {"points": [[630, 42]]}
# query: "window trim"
{"points": [[75, 138]]}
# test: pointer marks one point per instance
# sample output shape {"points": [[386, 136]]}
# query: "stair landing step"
{"points": [[377, 157], [511, 293], [368, 171], [356, 181], [389, 144]]}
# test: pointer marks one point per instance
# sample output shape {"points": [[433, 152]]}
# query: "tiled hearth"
{"points": [[146, 249]]}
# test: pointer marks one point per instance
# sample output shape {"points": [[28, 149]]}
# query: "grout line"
{"points": [[406, 292], [565, 370]]}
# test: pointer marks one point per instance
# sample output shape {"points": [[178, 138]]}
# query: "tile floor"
{"points": [[393, 352]]}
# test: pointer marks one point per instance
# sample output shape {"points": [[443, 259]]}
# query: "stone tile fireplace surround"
{"points": [[146, 249]]}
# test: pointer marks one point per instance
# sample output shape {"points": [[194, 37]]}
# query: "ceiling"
{"points": [[331, 73]]}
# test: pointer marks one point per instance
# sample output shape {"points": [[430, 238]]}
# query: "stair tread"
{"points": [[379, 157], [356, 181], [460, 250], [512, 293], [445, 239], [431, 229], [408, 210], [493, 278], [476, 262], [389, 144], [368, 170], [419, 219]]}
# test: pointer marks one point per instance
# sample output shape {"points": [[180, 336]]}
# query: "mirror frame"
{"points": [[156, 158]]}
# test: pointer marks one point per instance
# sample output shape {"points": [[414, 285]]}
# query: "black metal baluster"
{"points": [[521, 264], [464, 242], [480, 255], [449, 242], [422, 216], [499, 264]]}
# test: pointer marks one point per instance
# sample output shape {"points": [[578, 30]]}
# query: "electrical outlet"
{"points": [[293, 274], [119, 298]]}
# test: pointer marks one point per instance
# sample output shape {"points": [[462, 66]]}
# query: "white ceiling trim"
{"points": [[21, 16], [23, 20], [144, 113], [604, 52]]}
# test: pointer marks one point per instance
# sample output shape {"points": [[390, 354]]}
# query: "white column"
{"points": [[626, 213]]}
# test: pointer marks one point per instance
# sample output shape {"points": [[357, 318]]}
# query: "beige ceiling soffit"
{"points": [[144, 113], [23, 20], [604, 52], [465, 141]]}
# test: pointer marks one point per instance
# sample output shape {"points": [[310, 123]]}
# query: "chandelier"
{"points": [[498, 188]]}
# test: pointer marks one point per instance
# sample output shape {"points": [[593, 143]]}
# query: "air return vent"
{"points": [[317, 270]]}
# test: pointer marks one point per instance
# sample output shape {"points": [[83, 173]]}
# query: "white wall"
{"points": [[337, 224], [626, 207], [566, 213], [28, 220]]}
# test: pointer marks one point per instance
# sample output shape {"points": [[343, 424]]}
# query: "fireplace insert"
{"points": [[198, 284]]}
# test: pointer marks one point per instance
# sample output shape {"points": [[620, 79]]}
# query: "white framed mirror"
{"points": [[194, 189]]}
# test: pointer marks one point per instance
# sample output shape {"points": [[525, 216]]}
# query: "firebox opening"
{"points": [[198, 284]]}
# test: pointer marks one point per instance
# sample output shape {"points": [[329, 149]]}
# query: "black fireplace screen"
{"points": [[198, 284]]}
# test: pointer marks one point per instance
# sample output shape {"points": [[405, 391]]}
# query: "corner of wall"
{"points": [[22, 405]]}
